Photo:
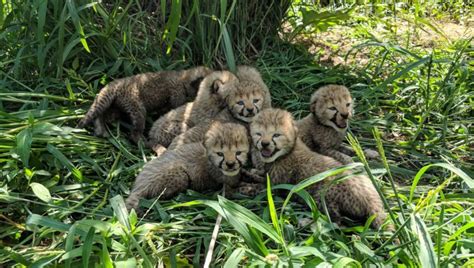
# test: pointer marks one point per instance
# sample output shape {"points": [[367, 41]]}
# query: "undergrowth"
{"points": [[62, 189]]}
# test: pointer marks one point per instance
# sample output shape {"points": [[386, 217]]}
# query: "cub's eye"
{"points": [[256, 100], [240, 102], [238, 153], [333, 108], [258, 134], [276, 135], [349, 104], [220, 154]]}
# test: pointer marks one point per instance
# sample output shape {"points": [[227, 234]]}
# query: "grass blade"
{"points": [[87, 247], [235, 258], [228, 50], [77, 23], [63, 159], [244, 215], [427, 255], [172, 25], [272, 210], [120, 211], [468, 180], [35, 219], [23, 145], [105, 256]]}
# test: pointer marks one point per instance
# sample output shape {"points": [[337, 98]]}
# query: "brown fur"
{"points": [[240, 101], [196, 166], [325, 128], [139, 94], [288, 160]]}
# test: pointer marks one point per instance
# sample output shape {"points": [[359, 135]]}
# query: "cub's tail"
{"points": [[102, 102]]}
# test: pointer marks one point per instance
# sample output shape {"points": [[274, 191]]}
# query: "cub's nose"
{"points": [[265, 144], [230, 164], [345, 116], [250, 110]]}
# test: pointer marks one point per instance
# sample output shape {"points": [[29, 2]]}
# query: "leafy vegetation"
{"points": [[61, 188]]}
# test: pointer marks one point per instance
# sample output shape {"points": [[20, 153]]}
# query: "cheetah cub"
{"points": [[136, 95], [325, 128], [222, 96], [196, 166], [278, 149], [243, 102], [208, 103]]}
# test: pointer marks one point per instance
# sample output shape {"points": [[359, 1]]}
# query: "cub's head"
{"points": [[249, 96], [214, 87], [332, 105], [227, 147], [247, 99], [273, 134]]}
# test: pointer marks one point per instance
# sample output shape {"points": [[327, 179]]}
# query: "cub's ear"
{"points": [[314, 101], [312, 105], [216, 86], [296, 130], [211, 132]]}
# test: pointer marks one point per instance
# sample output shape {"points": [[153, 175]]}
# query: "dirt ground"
{"points": [[331, 46]]}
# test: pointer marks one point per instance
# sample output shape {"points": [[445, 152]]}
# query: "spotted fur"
{"points": [[196, 166], [243, 101], [136, 95], [325, 128], [281, 153]]}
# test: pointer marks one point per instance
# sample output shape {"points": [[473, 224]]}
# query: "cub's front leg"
{"points": [[341, 157], [153, 182]]}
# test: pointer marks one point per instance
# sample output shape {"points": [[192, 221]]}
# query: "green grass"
{"points": [[61, 189]]}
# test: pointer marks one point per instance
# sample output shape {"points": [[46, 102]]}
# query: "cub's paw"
{"points": [[250, 189], [253, 175]]}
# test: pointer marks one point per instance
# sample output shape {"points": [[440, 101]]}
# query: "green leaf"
{"points": [[44, 261], [18, 258], [63, 159], [364, 249], [71, 254], [120, 210], [404, 72], [42, 6], [77, 23], [344, 262], [452, 239], [246, 216], [40, 191], [87, 247], [309, 200], [69, 244], [171, 29], [251, 237], [303, 251], [272, 210], [468, 180], [228, 50], [427, 255], [317, 178], [105, 256], [35, 219], [23, 145], [128, 263], [235, 258]]}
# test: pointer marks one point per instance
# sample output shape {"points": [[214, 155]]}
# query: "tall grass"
{"points": [[61, 188]]}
